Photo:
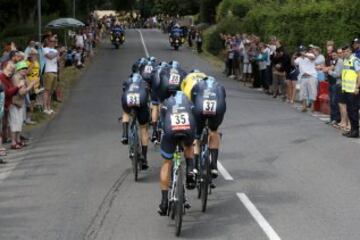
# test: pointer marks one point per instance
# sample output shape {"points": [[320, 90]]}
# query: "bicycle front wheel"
{"points": [[179, 203], [205, 180]]}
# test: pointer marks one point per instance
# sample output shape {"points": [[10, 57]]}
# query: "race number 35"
{"points": [[180, 121], [209, 107]]}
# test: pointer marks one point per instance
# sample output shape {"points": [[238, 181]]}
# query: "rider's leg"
{"points": [[214, 143], [125, 125], [214, 139], [167, 150], [196, 152], [143, 117], [190, 168], [154, 120], [144, 132]]}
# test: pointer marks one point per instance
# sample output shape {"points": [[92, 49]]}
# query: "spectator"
{"points": [[281, 62], [307, 79], [2, 101], [199, 41], [350, 86], [10, 90], [50, 75], [247, 69], [31, 45], [262, 58], [16, 109], [292, 77], [344, 119], [33, 76], [334, 71]]}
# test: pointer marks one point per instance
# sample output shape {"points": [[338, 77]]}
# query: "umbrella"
{"points": [[65, 23]]}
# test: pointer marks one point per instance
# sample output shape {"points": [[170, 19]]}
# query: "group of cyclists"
{"points": [[182, 104]]}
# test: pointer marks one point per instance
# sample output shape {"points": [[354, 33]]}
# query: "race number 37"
{"points": [[209, 107], [133, 99], [180, 121]]}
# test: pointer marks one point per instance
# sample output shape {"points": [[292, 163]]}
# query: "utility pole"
{"points": [[74, 9], [39, 18]]}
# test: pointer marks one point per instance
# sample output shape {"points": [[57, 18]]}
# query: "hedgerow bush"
{"points": [[294, 22]]}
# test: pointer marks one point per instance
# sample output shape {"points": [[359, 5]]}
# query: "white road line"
{"points": [[269, 231], [224, 172], [143, 43]]}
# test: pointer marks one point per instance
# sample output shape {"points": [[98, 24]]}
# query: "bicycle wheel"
{"points": [[179, 203], [205, 180]]}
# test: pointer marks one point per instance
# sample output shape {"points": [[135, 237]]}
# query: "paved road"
{"points": [[74, 182]]}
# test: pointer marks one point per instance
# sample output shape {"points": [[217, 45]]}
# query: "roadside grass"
{"points": [[68, 77]]}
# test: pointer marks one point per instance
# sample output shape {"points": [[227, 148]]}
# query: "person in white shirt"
{"points": [[307, 78], [51, 73]]}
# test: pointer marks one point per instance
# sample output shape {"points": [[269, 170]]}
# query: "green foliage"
{"points": [[237, 8], [208, 10], [294, 22], [213, 43]]}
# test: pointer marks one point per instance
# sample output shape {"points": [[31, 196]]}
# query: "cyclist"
{"points": [[135, 96], [146, 69], [170, 80], [155, 81], [208, 97], [190, 80], [136, 66], [179, 128]]}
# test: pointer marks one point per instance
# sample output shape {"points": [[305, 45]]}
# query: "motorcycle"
{"points": [[117, 39], [176, 41]]}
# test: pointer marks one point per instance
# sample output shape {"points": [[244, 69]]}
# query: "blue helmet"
{"points": [[163, 64], [174, 64], [135, 77], [195, 70], [210, 79], [152, 59]]}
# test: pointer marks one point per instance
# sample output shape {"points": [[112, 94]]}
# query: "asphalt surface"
{"points": [[74, 182]]}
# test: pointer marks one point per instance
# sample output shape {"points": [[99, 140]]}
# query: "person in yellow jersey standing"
{"points": [[350, 86]]}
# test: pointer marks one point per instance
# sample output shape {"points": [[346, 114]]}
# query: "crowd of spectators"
{"points": [[29, 80], [298, 76]]}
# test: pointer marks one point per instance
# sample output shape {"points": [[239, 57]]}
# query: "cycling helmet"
{"points": [[174, 64], [195, 70], [152, 59], [163, 64], [136, 77], [210, 79]]}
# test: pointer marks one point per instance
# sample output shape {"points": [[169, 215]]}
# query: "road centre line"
{"points": [[269, 231], [143, 43], [224, 172]]}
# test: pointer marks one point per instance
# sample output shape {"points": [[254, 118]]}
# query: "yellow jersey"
{"points": [[189, 82], [34, 73]]}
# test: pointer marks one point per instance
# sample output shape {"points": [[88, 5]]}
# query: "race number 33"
{"points": [[180, 121], [209, 107], [133, 99]]}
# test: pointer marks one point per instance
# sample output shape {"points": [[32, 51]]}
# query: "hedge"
{"points": [[294, 22]]}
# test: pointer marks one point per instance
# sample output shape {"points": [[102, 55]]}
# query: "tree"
{"points": [[208, 10]]}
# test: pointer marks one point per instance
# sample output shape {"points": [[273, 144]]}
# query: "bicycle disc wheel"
{"points": [[204, 184], [179, 203]]}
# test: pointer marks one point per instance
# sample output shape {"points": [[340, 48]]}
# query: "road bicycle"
{"points": [[204, 179], [177, 199]]}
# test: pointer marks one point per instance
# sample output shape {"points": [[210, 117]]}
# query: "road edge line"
{"points": [[259, 218], [224, 172]]}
